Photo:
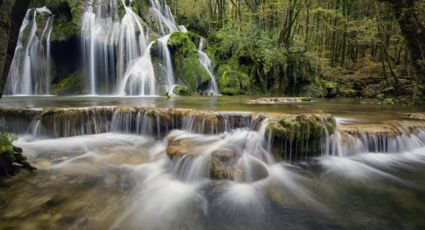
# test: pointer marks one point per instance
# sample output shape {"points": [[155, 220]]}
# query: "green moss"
{"points": [[72, 85], [67, 17], [10, 156], [301, 133], [347, 92], [181, 91], [232, 82], [330, 88], [187, 66]]}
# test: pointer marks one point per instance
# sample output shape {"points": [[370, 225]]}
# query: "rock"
{"points": [[181, 91], [280, 100], [72, 85], [11, 155], [187, 66], [300, 136], [222, 164]]}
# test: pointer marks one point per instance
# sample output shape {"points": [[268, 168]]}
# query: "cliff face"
{"points": [[12, 12]]}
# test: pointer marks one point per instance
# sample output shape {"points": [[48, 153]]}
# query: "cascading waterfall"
{"points": [[110, 46], [30, 71], [116, 55], [208, 65], [118, 52]]}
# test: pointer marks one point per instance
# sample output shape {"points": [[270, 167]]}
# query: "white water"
{"points": [[30, 71], [117, 56], [178, 193], [110, 46], [208, 65]]}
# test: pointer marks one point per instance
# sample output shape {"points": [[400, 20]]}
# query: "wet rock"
{"points": [[222, 164], [297, 137], [389, 129]]}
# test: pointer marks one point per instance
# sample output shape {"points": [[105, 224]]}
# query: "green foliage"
{"points": [[181, 91], [232, 82]]}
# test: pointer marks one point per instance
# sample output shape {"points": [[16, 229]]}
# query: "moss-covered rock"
{"points": [[300, 136], [330, 88], [72, 85], [67, 17], [10, 156], [187, 66], [181, 90], [232, 82]]}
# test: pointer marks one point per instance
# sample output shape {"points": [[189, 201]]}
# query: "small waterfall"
{"points": [[394, 138], [139, 80], [166, 57], [208, 65], [30, 71]]}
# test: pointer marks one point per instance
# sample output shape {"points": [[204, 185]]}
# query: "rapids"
{"points": [[122, 175]]}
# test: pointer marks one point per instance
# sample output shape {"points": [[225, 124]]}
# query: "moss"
{"points": [[67, 17], [187, 66], [181, 91], [300, 134], [10, 155], [72, 85], [346, 92], [232, 82], [330, 88]]}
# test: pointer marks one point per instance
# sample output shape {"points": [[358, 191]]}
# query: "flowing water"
{"points": [[116, 48], [30, 71], [208, 65], [119, 175]]}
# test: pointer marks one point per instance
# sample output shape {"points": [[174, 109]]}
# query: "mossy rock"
{"points": [[11, 155], [72, 85], [301, 135], [181, 90], [330, 88], [67, 17], [232, 82], [187, 66]]}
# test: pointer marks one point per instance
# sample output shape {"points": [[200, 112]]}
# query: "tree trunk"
{"points": [[414, 33]]}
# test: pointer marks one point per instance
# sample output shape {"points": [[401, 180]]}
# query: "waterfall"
{"points": [[117, 52], [30, 71], [166, 56], [139, 80], [164, 16], [208, 65], [110, 46]]}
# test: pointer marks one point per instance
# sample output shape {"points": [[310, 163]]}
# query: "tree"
{"points": [[413, 31]]}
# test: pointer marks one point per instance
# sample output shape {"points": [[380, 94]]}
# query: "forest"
{"points": [[348, 48]]}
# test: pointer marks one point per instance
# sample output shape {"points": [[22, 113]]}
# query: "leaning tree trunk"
{"points": [[414, 33]]}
